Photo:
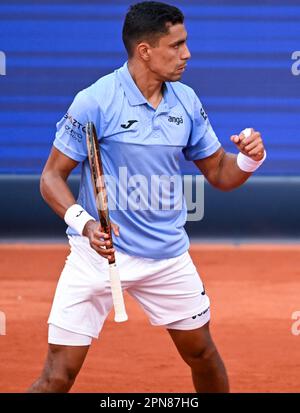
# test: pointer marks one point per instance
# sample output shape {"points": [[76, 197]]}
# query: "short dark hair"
{"points": [[148, 21]]}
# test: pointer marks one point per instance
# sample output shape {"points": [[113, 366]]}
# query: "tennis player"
{"points": [[144, 119]]}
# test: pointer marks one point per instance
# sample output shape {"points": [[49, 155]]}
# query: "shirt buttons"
{"points": [[155, 127]]}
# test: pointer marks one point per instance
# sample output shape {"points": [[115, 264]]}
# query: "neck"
{"points": [[145, 80]]}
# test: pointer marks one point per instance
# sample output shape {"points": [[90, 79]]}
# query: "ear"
{"points": [[144, 51]]}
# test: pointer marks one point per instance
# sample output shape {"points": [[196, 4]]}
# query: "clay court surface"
{"points": [[254, 290]]}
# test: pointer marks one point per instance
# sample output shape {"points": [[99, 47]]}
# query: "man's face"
{"points": [[168, 58]]}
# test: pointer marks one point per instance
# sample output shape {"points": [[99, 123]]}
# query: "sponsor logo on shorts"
{"points": [[200, 314]]}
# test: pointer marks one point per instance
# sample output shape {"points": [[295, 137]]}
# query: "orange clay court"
{"points": [[254, 290]]}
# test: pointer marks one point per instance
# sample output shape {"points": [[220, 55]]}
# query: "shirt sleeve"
{"points": [[70, 136], [203, 141]]}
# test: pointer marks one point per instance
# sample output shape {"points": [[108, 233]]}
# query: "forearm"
{"points": [[227, 171], [229, 175], [56, 192]]}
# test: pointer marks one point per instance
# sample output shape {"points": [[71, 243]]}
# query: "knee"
{"points": [[201, 355], [58, 381]]}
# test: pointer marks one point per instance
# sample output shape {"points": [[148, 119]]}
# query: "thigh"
{"points": [[83, 296], [174, 291]]}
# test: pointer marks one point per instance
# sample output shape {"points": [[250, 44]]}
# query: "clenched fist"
{"points": [[250, 143]]}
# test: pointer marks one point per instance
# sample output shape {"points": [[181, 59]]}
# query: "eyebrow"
{"points": [[178, 42]]}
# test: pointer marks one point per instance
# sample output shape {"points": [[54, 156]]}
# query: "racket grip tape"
{"points": [[117, 294]]}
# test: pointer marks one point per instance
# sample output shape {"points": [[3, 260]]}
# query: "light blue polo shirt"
{"points": [[140, 148]]}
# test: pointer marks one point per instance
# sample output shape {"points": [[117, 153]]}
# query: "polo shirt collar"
{"points": [[169, 95], [133, 93]]}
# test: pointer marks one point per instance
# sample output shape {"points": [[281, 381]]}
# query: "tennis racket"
{"points": [[103, 213]]}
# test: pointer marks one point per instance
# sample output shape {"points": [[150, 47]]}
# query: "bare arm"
{"points": [[53, 184], [221, 169], [56, 192]]}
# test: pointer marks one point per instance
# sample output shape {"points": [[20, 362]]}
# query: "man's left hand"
{"points": [[251, 146]]}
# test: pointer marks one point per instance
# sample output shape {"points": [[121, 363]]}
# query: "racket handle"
{"points": [[117, 295]]}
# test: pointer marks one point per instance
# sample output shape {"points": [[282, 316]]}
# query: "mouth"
{"points": [[181, 68]]}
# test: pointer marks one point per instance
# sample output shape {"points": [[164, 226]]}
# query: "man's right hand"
{"points": [[99, 240]]}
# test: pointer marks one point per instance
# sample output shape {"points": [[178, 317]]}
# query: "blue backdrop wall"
{"points": [[241, 68]]}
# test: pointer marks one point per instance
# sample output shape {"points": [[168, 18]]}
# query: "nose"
{"points": [[186, 53]]}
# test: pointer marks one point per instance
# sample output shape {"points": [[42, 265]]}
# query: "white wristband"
{"points": [[76, 217], [247, 164]]}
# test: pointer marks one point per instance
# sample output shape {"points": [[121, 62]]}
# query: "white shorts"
{"points": [[169, 290]]}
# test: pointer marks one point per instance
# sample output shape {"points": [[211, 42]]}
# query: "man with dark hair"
{"points": [[149, 21], [145, 118]]}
